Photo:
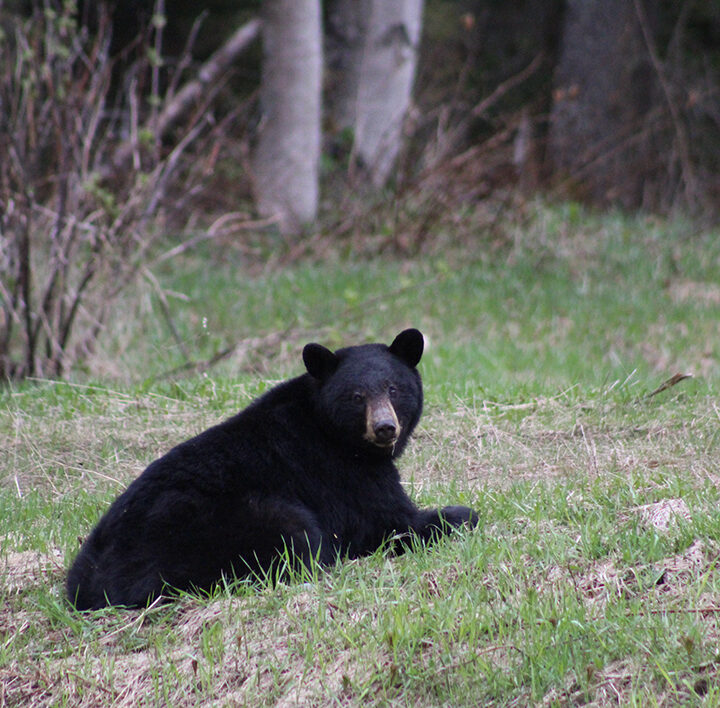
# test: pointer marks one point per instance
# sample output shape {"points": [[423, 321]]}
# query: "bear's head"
{"points": [[370, 395]]}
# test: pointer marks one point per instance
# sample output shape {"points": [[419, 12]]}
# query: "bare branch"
{"points": [[71, 239], [508, 85], [210, 72]]}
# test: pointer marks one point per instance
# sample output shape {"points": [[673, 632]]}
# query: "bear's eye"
{"points": [[391, 390], [358, 397]]}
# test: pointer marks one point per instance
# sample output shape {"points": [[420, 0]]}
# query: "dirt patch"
{"points": [[664, 514], [707, 294], [20, 570]]}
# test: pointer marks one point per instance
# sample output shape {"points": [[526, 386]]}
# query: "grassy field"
{"points": [[593, 576]]}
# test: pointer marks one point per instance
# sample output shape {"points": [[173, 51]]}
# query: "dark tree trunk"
{"points": [[600, 140]]}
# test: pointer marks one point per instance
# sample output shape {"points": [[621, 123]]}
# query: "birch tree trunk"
{"points": [[286, 159], [385, 81]]}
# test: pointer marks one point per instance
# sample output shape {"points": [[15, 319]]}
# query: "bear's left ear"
{"points": [[408, 345], [319, 361]]}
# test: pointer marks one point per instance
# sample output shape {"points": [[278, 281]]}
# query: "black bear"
{"points": [[306, 472]]}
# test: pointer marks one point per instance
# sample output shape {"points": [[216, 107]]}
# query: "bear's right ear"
{"points": [[319, 361]]}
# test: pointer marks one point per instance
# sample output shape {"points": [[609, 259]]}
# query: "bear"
{"points": [[304, 475]]}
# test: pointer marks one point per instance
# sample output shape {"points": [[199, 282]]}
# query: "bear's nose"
{"points": [[385, 432]]}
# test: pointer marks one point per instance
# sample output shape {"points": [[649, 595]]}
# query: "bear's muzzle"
{"points": [[381, 423]]}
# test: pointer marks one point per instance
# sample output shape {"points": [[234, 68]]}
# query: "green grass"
{"points": [[593, 576]]}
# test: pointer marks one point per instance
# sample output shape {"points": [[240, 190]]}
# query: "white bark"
{"points": [[385, 83], [288, 150]]}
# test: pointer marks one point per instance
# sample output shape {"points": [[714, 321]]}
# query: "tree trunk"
{"points": [[600, 140], [344, 47], [384, 84], [288, 150]]}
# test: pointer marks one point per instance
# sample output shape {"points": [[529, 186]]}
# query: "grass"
{"points": [[593, 577]]}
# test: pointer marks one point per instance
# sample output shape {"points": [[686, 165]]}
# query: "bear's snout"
{"points": [[385, 432], [382, 426]]}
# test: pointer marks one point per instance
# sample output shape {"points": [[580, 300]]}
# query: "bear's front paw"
{"points": [[460, 516]]}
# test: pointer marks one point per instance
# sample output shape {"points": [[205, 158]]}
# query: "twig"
{"points": [[451, 135], [674, 611], [672, 381], [166, 313], [508, 85], [591, 451], [203, 365], [209, 73], [186, 58], [167, 169], [158, 23], [213, 232], [480, 652], [138, 621]]}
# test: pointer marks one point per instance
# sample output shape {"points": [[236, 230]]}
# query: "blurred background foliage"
{"points": [[127, 140]]}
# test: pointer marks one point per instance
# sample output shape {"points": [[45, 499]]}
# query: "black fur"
{"points": [[294, 470]]}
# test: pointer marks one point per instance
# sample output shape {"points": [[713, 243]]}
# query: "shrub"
{"points": [[83, 180]]}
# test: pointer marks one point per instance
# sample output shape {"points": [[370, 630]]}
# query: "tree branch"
{"points": [[508, 85], [209, 73]]}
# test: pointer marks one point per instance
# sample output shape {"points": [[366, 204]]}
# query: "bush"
{"points": [[83, 180]]}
